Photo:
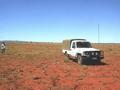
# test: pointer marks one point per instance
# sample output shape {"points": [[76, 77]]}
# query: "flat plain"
{"points": [[42, 66]]}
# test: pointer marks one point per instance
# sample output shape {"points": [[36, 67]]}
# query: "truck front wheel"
{"points": [[79, 59]]}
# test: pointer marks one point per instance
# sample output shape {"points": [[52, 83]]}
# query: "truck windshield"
{"points": [[83, 45]]}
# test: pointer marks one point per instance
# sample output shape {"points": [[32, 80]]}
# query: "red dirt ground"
{"points": [[35, 66]]}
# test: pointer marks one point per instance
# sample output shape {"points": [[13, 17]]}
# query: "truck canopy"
{"points": [[67, 43]]}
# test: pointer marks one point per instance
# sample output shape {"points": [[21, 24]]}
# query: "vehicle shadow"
{"points": [[93, 63]]}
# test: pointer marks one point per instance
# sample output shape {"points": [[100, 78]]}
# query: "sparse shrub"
{"points": [[110, 49]]}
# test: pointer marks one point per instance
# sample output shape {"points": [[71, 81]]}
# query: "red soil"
{"points": [[50, 71]]}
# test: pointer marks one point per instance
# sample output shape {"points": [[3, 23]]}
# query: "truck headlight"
{"points": [[86, 53]]}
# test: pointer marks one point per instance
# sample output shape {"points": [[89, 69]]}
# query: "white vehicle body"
{"points": [[82, 48]]}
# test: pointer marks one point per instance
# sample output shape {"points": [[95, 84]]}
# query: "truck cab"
{"points": [[81, 50]]}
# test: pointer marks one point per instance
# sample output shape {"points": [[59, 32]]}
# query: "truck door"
{"points": [[73, 46]]}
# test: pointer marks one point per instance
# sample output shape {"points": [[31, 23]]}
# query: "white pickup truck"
{"points": [[81, 50]]}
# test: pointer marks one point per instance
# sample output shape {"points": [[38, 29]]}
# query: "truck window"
{"points": [[73, 45], [83, 45]]}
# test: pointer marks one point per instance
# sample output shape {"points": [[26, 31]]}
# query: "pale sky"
{"points": [[55, 20]]}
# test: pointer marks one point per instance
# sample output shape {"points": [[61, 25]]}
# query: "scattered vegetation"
{"points": [[110, 49], [42, 66]]}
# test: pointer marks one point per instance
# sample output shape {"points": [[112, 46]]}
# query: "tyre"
{"points": [[65, 53], [79, 60], [69, 57]]}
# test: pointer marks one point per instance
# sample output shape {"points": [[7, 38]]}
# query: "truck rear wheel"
{"points": [[79, 60], [65, 53]]}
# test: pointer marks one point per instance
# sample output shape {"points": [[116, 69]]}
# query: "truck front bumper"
{"points": [[95, 58]]}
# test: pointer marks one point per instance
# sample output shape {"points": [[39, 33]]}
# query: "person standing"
{"points": [[3, 48]]}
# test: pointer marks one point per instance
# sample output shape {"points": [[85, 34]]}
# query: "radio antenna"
{"points": [[98, 35]]}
